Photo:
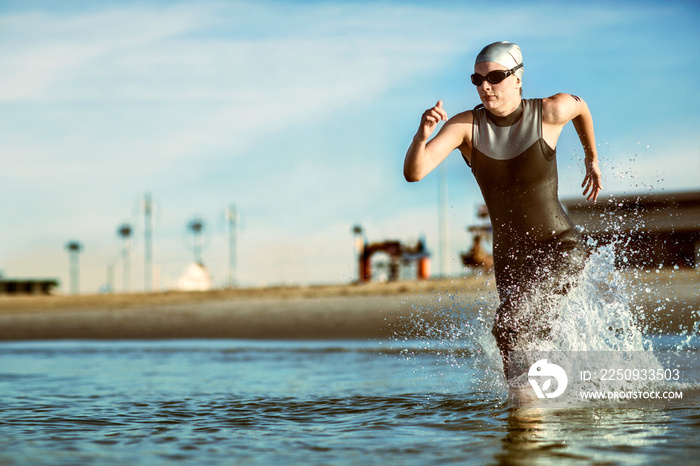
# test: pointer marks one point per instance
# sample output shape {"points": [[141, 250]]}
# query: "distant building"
{"points": [[648, 230], [22, 286]]}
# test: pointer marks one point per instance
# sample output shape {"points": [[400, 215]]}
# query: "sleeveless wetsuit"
{"points": [[536, 249]]}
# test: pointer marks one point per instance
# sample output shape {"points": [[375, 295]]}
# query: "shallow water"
{"points": [[434, 394], [305, 402]]}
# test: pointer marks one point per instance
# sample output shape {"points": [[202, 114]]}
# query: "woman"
{"points": [[510, 143]]}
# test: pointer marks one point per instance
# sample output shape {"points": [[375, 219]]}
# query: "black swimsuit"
{"points": [[536, 247]]}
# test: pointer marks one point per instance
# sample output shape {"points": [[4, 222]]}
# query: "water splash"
{"points": [[596, 314], [599, 316]]}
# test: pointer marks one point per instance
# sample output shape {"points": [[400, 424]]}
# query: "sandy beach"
{"points": [[668, 300]]}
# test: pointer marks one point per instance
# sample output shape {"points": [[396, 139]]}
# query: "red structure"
{"points": [[399, 254], [477, 255]]}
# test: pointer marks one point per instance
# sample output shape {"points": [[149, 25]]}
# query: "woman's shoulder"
{"points": [[464, 117], [557, 109]]}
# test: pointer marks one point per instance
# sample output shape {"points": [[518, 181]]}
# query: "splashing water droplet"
{"points": [[596, 316]]}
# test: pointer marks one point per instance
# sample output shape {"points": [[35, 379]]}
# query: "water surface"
{"points": [[305, 402]]}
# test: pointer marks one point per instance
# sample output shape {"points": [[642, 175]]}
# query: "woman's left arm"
{"points": [[559, 110]]}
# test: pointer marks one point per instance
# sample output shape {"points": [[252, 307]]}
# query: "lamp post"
{"points": [[358, 245], [443, 232], [147, 207], [124, 231], [74, 249], [196, 226], [232, 220]]}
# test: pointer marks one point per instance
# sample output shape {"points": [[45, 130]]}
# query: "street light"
{"points": [[124, 231], [196, 226], [232, 220], [359, 244], [147, 207], [74, 249]]}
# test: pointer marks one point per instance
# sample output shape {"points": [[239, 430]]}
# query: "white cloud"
{"points": [[151, 99], [44, 51]]}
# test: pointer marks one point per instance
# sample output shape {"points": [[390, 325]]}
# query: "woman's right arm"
{"points": [[424, 155]]}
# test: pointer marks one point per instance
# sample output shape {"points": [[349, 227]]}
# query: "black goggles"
{"points": [[494, 77]]}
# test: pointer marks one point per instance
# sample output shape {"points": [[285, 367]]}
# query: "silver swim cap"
{"points": [[504, 53]]}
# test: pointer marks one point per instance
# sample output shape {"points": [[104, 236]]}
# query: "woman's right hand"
{"points": [[429, 121]]}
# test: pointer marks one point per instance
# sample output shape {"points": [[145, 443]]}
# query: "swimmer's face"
{"points": [[497, 98]]}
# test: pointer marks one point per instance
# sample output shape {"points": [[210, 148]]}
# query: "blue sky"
{"points": [[300, 114]]}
